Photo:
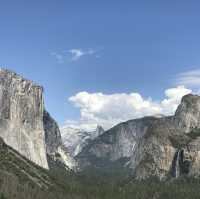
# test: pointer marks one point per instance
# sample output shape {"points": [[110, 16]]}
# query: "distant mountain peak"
{"points": [[76, 139]]}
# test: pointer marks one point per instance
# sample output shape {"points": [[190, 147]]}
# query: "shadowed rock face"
{"points": [[52, 134], [56, 151], [150, 146], [21, 116]]}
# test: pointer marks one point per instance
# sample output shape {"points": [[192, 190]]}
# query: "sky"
{"points": [[104, 61]]}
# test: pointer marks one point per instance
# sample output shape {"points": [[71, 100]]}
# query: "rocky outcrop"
{"points": [[21, 116], [151, 146], [154, 152], [187, 115]]}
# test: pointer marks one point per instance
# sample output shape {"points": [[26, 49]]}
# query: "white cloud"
{"points": [[74, 54], [108, 110], [189, 78], [77, 53], [174, 96]]}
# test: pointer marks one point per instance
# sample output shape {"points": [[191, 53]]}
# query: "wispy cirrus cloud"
{"points": [[78, 53], [75, 54], [189, 78]]}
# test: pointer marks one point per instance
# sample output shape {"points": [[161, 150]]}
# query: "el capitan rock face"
{"points": [[21, 116], [25, 125], [150, 146]]}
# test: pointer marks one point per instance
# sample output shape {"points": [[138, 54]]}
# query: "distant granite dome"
{"points": [[76, 139]]}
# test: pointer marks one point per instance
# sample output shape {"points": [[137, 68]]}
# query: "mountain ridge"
{"points": [[149, 144]]}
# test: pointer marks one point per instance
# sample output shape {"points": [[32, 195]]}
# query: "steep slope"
{"points": [[20, 178], [150, 146]]}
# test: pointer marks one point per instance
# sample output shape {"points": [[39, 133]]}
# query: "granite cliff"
{"points": [[21, 116], [25, 125]]}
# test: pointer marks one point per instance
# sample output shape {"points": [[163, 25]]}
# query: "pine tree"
{"points": [[2, 196]]}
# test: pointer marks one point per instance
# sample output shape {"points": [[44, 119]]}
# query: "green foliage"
{"points": [[177, 189], [194, 133], [179, 141], [21, 179], [140, 190], [2, 196], [90, 186]]}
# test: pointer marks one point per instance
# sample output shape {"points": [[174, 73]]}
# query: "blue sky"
{"points": [[109, 47]]}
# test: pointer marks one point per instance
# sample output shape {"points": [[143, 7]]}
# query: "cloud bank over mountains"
{"points": [[109, 109]]}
